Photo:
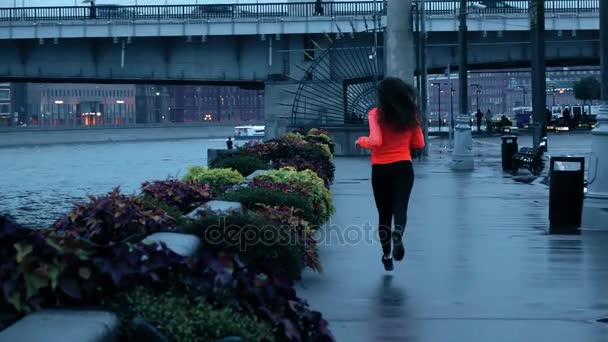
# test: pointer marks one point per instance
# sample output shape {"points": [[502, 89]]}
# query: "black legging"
{"points": [[392, 184]]}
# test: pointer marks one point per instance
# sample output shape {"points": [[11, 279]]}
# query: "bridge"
{"points": [[572, 30], [271, 45], [499, 33]]}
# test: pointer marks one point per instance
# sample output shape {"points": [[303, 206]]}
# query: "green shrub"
{"points": [[266, 246], [186, 318], [250, 196], [291, 217], [172, 211], [185, 196], [114, 217], [218, 179], [243, 163], [309, 184], [291, 150]]}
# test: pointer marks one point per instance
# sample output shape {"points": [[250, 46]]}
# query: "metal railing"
{"points": [[167, 12], [449, 7]]}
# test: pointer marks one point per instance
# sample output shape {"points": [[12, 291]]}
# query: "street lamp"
{"points": [[452, 91], [462, 157], [58, 104], [439, 104], [478, 93], [120, 104], [523, 88], [553, 94]]}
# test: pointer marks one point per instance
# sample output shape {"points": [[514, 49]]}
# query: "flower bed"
{"points": [[239, 284]]}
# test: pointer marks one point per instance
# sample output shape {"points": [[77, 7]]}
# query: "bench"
{"points": [[531, 158]]}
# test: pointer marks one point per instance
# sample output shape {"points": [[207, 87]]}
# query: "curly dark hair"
{"points": [[397, 104]]}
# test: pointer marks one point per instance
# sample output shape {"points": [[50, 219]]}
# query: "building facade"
{"points": [[72, 105], [12, 104], [502, 91]]}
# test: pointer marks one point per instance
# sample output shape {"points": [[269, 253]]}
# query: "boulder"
{"points": [[183, 244], [64, 325], [255, 174], [216, 208]]}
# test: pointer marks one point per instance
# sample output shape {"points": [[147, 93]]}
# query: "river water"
{"points": [[38, 184]]}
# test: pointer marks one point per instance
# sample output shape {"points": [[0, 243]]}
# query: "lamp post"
{"points": [[120, 104], [478, 92], [595, 210], [58, 104], [539, 77], [462, 157], [439, 104], [523, 88], [452, 91], [423, 70]]}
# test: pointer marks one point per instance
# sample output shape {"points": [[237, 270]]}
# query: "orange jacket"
{"points": [[387, 145]]}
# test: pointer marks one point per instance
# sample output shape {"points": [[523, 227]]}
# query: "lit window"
{"points": [[5, 94]]}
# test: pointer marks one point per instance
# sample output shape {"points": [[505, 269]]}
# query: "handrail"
{"points": [[215, 11], [449, 7]]}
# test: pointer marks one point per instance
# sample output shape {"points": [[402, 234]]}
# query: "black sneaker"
{"points": [[388, 263], [398, 249]]}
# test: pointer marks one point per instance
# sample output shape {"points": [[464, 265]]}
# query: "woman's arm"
{"points": [[417, 141], [375, 135]]}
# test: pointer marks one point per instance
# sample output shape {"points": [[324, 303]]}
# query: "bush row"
{"points": [[240, 284]]}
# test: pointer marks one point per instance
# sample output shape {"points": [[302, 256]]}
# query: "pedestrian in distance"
{"points": [[395, 130], [92, 9], [567, 117], [319, 7], [489, 122], [229, 143], [479, 116]]}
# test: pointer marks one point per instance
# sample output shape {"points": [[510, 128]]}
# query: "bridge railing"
{"points": [[215, 11], [449, 7]]}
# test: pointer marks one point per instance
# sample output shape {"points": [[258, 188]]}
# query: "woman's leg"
{"points": [[381, 184], [403, 182]]}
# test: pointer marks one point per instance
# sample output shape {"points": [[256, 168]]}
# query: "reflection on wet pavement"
{"points": [[479, 264]]}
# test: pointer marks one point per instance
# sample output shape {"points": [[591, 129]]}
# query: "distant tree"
{"points": [[587, 89]]}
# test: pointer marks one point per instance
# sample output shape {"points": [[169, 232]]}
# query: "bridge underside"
{"points": [[248, 58], [512, 50]]}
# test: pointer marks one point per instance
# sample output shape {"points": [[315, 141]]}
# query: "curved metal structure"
{"points": [[339, 87]]}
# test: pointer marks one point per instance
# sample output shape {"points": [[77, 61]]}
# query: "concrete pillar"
{"points": [[277, 117], [539, 85], [462, 157], [595, 210], [400, 58]]}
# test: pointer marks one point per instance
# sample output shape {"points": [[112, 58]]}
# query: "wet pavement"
{"points": [[479, 264]]}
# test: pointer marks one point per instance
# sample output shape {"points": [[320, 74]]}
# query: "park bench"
{"points": [[531, 158]]}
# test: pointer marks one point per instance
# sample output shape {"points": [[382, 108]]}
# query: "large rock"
{"points": [[64, 325], [217, 208], [255, 174], [183, 244]]}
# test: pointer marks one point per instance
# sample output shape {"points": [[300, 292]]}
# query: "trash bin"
{"points": [[509, 148], [566, 194]]}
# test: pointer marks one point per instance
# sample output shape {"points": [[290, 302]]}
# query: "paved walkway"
{"points": [[479, 265]]}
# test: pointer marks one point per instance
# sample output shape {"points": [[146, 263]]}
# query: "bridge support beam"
{"points": [[400, 56], [462, 157], [539, 84], [595, 210], [277, 113]]}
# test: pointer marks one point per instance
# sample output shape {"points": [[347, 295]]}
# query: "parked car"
{"points": [[114, 12], [213, 11]]}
